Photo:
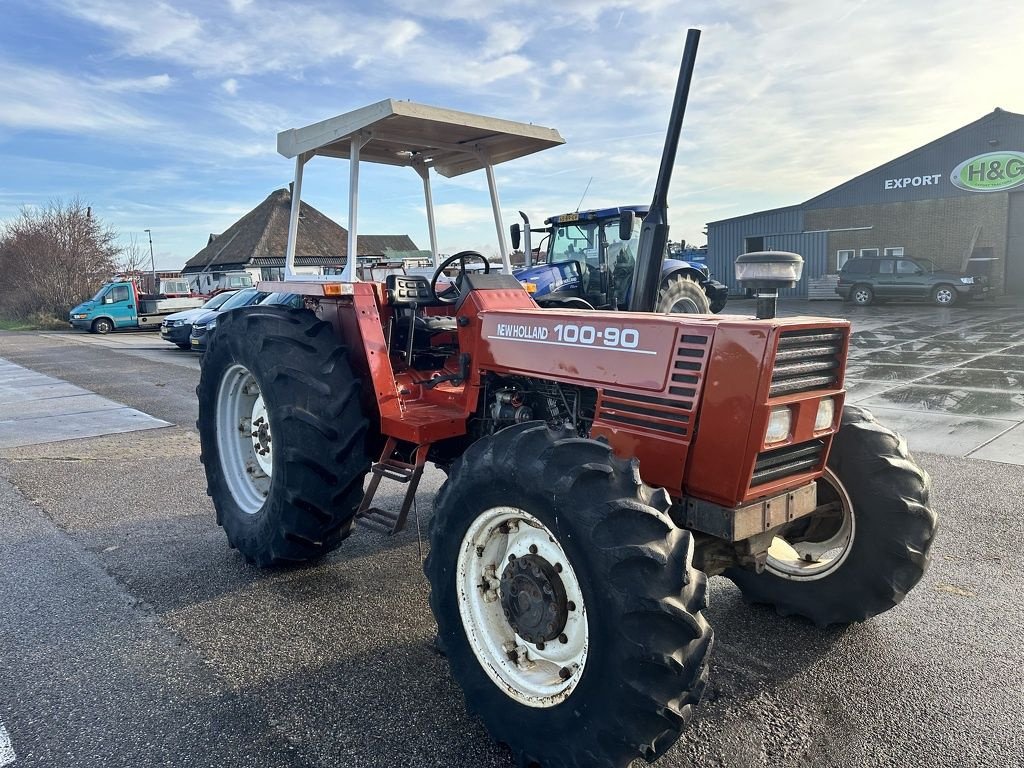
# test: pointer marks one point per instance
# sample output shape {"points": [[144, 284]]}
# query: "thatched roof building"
{"points": [[258, 240]]}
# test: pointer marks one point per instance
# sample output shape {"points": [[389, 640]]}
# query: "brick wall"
{"points": [[939, 230]]}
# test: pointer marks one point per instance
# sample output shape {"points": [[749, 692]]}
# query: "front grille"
{"points": [[787, 461], [806, 360]]}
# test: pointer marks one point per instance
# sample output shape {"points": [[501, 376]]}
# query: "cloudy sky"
{"points": [[164, 115]]}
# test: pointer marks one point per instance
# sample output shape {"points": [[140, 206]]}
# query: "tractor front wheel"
{"points": [[282, 434], [681, 294], [566, 600], [866, 545]]}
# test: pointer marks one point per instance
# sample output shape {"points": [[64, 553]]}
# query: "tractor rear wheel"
{"points": [[566, 600], [282, 434], [867, 544], [681, 294]]}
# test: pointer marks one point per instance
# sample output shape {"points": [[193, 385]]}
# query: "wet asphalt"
{"points": [[131, 635]]}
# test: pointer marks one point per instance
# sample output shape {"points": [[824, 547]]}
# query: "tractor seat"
{"points": [[413, 292]]}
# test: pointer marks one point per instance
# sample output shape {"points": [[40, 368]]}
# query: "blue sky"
{"points": [[164, 115]]}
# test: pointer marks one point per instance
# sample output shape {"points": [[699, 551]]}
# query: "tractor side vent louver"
{"points": [[672, 412]]}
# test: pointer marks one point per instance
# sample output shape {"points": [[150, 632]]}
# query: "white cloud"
{"points": [[787, 99], [47, 100], [136, 85]]}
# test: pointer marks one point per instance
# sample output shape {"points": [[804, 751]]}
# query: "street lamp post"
{"points": [[152, 261]]}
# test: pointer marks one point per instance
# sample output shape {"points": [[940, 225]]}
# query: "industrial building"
{"points": [[958, 201]]}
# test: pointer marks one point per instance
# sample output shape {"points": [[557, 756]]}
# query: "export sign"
{"points": [[990, 172]]}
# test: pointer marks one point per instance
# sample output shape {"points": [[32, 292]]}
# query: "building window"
{"points": [[842, 257], [333, 270], [869, 253], [753, 244], [894, 252], [271, 273]]}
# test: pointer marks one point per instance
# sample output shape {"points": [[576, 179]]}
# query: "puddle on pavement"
{"points": [[1007, 381], [962, 402], [975, 337], [950, 346], [999, 363], [861, 341], [933, 360], [866, 371]]}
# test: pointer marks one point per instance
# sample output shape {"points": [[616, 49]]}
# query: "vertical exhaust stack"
{"points": [[654, 234]]}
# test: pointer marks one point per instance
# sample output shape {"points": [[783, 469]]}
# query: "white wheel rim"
{"points": [[819, 556], [862, 296], [243, 439], [944, 296], [684, 307], [535, 674]]}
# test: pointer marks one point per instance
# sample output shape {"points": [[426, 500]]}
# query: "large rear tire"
{"points": [[867, 545], [566, 600], [682, 295], [282, 434]]}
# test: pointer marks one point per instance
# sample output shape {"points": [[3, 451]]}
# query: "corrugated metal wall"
{"points": [[813, 246], [725, 239]]}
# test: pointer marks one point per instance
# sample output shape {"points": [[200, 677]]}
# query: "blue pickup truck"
{"points": [[120, 305]]}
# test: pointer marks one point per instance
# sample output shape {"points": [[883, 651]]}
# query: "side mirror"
{"points": [[626, 220], [516, 233], [918, 271], [108, 299]]}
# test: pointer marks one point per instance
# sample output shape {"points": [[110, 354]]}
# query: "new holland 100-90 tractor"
{"points": [[600, 465]]}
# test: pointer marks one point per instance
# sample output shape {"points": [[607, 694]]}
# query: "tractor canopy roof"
{"points": [[409, 134]]}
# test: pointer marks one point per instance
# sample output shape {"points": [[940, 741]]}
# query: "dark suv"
{"points": [[865, 279]]}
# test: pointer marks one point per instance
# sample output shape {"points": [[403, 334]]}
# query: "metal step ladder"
{"points": [[383, 520]]}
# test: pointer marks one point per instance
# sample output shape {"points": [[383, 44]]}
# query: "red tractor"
{"points": [[600, 465]]}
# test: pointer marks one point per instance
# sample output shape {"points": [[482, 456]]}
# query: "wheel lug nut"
{"points": [[565, 673], [540, 645], [563, 639], [571, 605], [533, 549], [558, 567], [512, 558]]}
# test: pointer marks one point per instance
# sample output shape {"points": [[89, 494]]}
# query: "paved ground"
{"points": [[131, 635]]}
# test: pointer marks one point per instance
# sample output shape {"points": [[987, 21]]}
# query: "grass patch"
{"points": [[37, 322]]}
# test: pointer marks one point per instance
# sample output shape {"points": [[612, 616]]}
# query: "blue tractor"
{"points": [[589, 259]]}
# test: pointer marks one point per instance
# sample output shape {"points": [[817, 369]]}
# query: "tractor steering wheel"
{"points": [[453, 292]]}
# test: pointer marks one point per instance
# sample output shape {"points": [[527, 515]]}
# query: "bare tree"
{"points": [[53, 257], [132, 260]]}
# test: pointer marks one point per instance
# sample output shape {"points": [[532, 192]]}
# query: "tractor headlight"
{"points": [[779, 422], [826, 413]]}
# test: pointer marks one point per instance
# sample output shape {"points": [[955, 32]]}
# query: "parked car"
{"points": [[201, 336], [863, 280], [177, 328], [206, 323]]}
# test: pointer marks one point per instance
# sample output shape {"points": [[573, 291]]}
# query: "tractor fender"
{"points": [[682, 268]]}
